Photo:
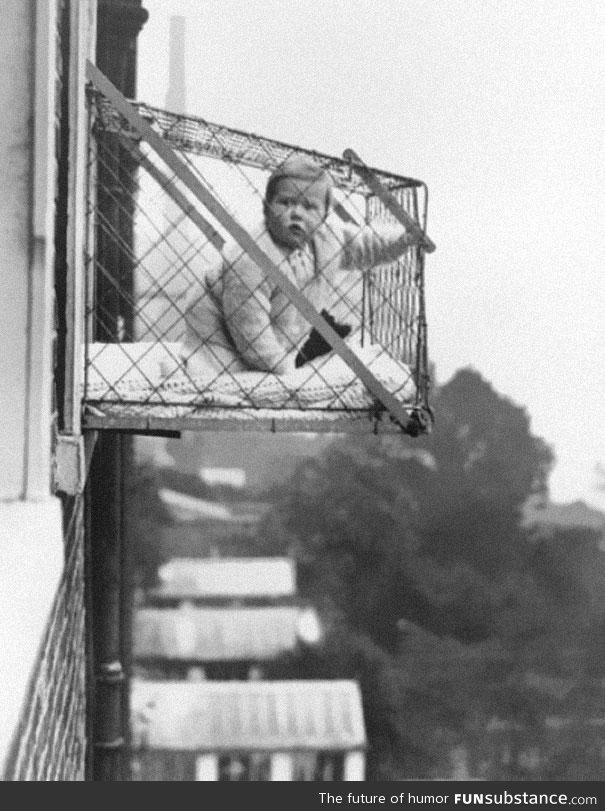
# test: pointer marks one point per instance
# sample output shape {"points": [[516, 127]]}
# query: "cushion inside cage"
{"points": [[152, 373]]}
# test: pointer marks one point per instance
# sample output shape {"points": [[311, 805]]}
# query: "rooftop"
{"points": [[222, 634], [236, 578], [573, 514], [251, 715]]}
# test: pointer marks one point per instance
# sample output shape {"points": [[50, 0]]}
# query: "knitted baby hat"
{"points": [[301, 167]]}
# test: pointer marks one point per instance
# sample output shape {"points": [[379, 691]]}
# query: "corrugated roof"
{"points": [[191, 578], [247, 715], [219, 634]]}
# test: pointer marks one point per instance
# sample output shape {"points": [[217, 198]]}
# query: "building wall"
{"points": [[51, 739], [16, 56], [42, 616]]}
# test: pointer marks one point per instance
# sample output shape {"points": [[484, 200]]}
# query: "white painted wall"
{"points": [[16, 60], [31, 548], [31, 560], [281, 766], [27, 192], [354, 766], [206, 768]]}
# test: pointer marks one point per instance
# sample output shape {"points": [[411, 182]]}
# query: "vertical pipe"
{"points": [[60, 237], [105, 529], [118, 25], [126, 598]]}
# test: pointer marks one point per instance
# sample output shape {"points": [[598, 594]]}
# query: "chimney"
{"points": [[176, 100]]}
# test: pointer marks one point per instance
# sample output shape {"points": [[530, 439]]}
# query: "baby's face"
{"points": [[295, 212]]}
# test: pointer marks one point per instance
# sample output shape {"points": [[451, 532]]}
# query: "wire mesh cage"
{"points": [[221, 296]]}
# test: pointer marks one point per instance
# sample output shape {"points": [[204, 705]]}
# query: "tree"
{"points": [[428, 534], [145, 518], [423, 531], [403, 738]]}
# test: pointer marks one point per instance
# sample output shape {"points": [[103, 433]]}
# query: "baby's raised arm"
{"points": [[373, 244]]}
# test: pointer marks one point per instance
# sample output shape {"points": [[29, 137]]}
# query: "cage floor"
{"points": [[139, 387], [172, 419]]}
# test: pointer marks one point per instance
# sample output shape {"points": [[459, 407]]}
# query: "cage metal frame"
{"points": [[188, 134]]}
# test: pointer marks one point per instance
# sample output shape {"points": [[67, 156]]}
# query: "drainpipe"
{"points": [[119, 23]]}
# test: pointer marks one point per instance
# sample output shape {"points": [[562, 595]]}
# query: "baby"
{"points": [[242, 320]]}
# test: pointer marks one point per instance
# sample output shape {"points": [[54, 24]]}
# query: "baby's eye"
{"points": [[310, 205]]}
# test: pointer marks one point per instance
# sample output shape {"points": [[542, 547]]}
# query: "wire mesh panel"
{"points": [[248, 284]]}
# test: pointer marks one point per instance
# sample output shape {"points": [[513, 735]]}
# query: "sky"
{"points": [[498, 107]]}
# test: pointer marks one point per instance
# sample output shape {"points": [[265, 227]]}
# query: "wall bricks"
{"points": [[51, 742]]}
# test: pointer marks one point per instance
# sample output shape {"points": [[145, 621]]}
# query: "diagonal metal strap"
{"points": [[390, 202], [243, 238]]}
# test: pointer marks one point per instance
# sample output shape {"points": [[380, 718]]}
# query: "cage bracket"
{"points": [[70, 464]]}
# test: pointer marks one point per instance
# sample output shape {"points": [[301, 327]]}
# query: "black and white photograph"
{"points": [[302, 465]]}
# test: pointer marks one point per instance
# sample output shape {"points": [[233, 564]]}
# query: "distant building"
{"points": [[218, 643], [221, 581], [225, 476], [579, 740], [201, 526], [282, 730], [186, 508], [539, 512], [266, 459], [183, 507]]}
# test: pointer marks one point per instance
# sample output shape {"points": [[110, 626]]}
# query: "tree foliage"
{"points": [[428, 534], [145, 517]]}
